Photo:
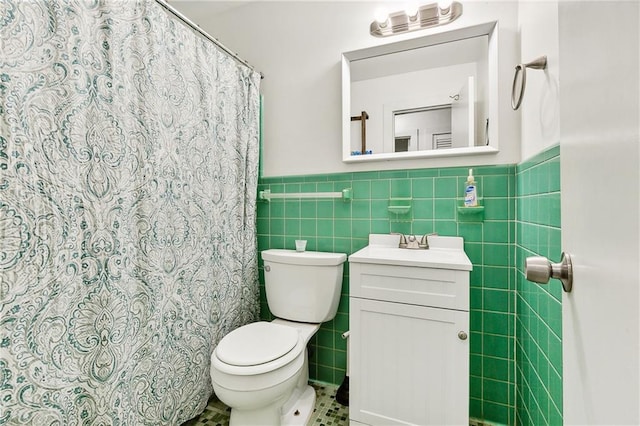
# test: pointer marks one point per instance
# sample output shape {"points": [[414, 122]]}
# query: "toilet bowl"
{"points": [[261, 369]]}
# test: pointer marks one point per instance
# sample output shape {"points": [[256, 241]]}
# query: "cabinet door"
{"points": [[407, 364]]}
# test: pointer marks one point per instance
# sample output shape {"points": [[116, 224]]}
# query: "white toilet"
{"points": [[261, 370]]}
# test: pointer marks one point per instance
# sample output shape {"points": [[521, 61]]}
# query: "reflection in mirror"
{"points": [[435, 123], [424, 97]]}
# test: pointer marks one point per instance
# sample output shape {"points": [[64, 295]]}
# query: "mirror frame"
{"points": [[489, 29]]}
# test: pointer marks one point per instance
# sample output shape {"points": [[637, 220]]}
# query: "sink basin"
{"points": [[443, 253]]}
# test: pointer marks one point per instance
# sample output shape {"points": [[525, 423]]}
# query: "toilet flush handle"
{"points": [[267, 268]]}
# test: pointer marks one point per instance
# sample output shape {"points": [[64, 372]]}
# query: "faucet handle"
{"points": [[403, 239], [424, 241]]}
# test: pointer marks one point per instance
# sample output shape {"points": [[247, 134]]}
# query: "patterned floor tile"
{"points": [[328, 412]]}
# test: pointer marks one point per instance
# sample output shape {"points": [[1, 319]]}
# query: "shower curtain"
{"points": [[128, 175]]}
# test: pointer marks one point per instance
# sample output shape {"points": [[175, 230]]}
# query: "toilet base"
{"points": [[300, 411]]}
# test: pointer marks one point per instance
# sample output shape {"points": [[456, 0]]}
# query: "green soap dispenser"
{"points": [[470, 191]]}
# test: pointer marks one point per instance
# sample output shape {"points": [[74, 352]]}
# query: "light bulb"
{"points": [[411, 11], [381, 16], [444, 4]]}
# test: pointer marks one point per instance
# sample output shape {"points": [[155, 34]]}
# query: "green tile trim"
{"points": [[541, 157]]}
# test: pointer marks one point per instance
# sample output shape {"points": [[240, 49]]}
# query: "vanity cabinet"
{"points": [[409, 322]]}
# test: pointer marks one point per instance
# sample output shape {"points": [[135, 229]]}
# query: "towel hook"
{"points": [[537, 64]]}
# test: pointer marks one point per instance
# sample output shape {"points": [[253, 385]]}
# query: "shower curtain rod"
{"points": [[206, 35]]}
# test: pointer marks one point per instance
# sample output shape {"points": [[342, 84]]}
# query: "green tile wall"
{"points": [[539, 308], [334, 225]]}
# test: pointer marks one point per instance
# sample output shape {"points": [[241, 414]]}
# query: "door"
{"points": [[463, 116], [599, 121]]}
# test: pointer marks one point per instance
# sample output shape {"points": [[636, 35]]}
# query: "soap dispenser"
{"points": [[470, 191]]}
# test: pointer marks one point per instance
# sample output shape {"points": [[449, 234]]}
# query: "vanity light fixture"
{"points": [[427, 16]]}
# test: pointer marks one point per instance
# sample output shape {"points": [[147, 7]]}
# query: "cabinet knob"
{"points": [[462, 335]]}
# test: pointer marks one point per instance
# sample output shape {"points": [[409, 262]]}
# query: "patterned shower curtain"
{"points": [[128, 175]]}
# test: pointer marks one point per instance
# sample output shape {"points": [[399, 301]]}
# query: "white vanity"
{"points": [[409, 323]]}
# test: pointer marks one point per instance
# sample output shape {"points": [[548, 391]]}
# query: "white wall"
{"points": [[298, 47], [538, 31]]}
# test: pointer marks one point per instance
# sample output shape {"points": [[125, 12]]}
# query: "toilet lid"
{"points": [[256, 343]]}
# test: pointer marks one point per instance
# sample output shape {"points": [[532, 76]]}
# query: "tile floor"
{"points": [[328, 411]]}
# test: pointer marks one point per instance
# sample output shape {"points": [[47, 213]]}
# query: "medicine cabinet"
{"points": [[430, 96]]}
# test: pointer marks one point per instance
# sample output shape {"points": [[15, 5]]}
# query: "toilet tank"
{"points": [[303, 286]]}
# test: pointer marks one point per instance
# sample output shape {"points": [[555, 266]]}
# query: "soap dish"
{"points": [[399, 209], [399, 206], [471, 214]]}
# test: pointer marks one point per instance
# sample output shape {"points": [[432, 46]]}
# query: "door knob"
{"points": [[539, 270]]}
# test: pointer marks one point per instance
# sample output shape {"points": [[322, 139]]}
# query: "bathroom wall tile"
{"points": [[476, 276], [475, 408], [475, 298], [380, 189], [496, 209], [496, 300], [495, 368], [393, 174], [475, 252], [333, 225], [446, 227], [496, 231], [326, 227], [475, 344], [342, 209], [361, 209], [496, 277], [361, 190], [276, 209], [308, 208], [475, 387], [400, 188], [472, 232], [380, 227], [495, 186], [498, 413], [324, 338], [422, 188], [497, 346], [422, 209], [418, 173], [292, 226], [497, 254], [343, 245], [359, 176], [539, 320], [276, 226], [446, 187], [324, 209], [498, 391]]}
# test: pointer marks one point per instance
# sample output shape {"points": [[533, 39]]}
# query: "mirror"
{"points": [[425, 97]]}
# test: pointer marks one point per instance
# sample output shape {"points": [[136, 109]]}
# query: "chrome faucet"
{"points": [[403, 240], [424, 241], [411, 242]]}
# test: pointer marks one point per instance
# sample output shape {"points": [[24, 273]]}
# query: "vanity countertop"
{"points": [[443, 253]]}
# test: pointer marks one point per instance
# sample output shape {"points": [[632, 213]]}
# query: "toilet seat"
{"points": [[256, 343], [247, 342]]}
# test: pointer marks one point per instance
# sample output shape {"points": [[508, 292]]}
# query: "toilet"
{"points": [[261, 369]]}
